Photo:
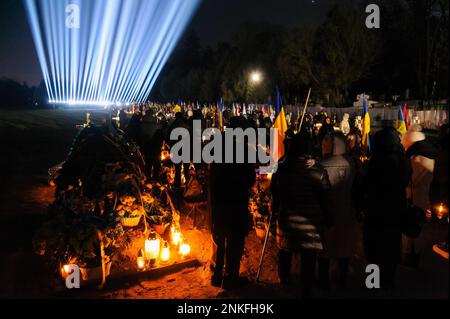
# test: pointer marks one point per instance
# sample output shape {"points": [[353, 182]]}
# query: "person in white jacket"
{"points": [[422, 155], [345, 125]]}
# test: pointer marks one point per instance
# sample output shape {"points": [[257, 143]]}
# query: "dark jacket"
{"points": [[148, 127], [388, 174], [439, 185], [229, 187], [298, 190]]}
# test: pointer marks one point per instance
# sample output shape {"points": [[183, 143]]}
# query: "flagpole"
{"points": [[304, 109], [266, 239]]}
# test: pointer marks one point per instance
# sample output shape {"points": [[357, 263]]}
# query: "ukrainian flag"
{"points": [[365, 142], [401, 123], [281, 125]]}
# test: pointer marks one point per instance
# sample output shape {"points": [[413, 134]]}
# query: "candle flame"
{"points": [[165, 254], [141, 262], [185, 249], [152, 247]]}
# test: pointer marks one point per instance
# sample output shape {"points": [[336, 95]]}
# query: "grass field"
{"points": [[31, 142]]}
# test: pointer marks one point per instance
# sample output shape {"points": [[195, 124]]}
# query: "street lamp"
{"points": [[255, 77]]}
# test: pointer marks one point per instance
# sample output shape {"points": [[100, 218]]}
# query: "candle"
{"points": [[185, 249], [165, 253], [152, 247], [176, 236], [65, 271], [141, 260], [440, 211]]}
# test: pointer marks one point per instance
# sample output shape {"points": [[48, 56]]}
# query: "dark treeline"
{"points": [[340, 58], [21, 95], [407, 56]]}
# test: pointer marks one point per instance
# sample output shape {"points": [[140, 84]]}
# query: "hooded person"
{"points": [[326, 128], [388, 174], [298, 189], [340, 239]]}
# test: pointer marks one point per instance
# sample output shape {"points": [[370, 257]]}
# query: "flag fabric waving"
{"points": [[365, 142], [221, 104], [281, 126], [401, 123], [279, 102], [405, 115]]}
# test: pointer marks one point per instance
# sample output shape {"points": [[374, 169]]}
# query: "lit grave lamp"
{"points": [[141, 260], [165, 155], [185, 249], [65, 271], [176, 235], [165, 253], [152, 248], [441, 211]]}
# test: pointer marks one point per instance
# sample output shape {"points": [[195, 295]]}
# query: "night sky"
{"points": [[214, 21]]}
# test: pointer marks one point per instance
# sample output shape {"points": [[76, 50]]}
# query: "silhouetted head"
{"points": [[238, 122], [301, 145], [387, 141]]}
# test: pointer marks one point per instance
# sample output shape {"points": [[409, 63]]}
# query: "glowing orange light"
{"points": [[141, 260], [441, 211], [165, 253], [185, 249], [176, 235], [152, 247]]}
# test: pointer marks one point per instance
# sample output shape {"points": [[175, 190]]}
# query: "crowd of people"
{"points": [[324, 191]]}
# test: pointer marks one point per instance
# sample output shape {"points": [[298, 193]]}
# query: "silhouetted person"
{"points": [[422, 155], [179, 122], [388, 175], [326, 128], [132, 130], [229, 187], [298, 189], [340, 239], [123, 119], [151, 139], [439, 185]]}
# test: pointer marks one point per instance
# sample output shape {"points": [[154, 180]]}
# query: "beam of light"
{"points": [[116, 55]]}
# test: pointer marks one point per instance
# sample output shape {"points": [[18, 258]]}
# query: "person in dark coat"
{"points": [[326, 128], [439, 185], [150, 141], [132, 130], [179, 122], [123, 119], [229, 188], [340, 239], [388, 174], [298, 189]]}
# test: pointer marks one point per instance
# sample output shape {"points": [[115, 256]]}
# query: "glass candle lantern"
{"points": [[165, 253], [152, 247], [185, 249]]}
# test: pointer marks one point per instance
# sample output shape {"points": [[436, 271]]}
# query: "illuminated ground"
{"points": [[32, 141]]}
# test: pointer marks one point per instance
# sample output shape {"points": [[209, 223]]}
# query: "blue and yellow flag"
{"points": [[279, 102], [281, 125], [365, 142], [401, 123]]}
